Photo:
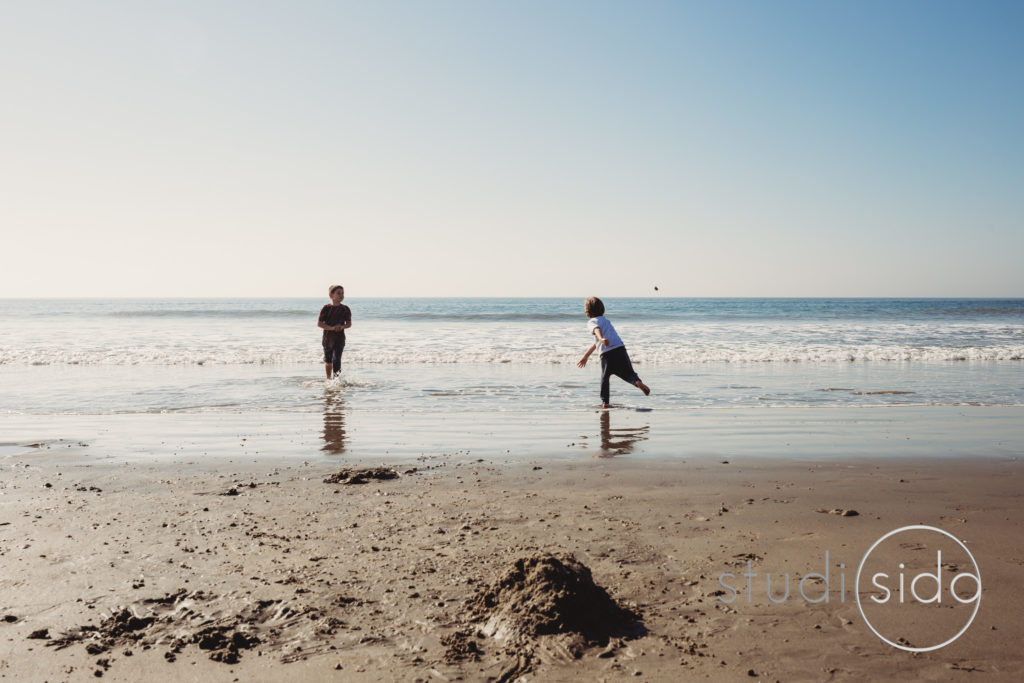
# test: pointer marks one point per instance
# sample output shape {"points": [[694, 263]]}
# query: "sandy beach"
{"points": [[511, 342], [258, 570]]}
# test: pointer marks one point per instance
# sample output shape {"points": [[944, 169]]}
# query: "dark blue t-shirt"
{"points": [[335, 315]]}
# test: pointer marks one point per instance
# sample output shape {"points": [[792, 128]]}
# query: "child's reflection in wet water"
{"points": [[334, 421], [619, 441]]}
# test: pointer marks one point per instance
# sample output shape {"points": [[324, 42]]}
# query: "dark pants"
{"points": [[332, 352], [616, 362]]}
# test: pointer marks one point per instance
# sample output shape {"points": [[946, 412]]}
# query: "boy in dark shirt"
{"points": [[335, 318]]}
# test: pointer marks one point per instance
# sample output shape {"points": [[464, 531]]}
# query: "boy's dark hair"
{"points": [[593, 307], [333, 288]]}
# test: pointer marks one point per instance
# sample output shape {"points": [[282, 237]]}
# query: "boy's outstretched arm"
{"points": [[586, 356]]}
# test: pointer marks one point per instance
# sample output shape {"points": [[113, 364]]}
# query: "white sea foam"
{"points": [[400, 355], [131, 341]]}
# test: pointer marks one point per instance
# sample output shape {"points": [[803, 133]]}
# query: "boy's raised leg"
{"points": [[643, 387]]}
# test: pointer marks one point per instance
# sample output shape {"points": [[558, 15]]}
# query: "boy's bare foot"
{"points": [[643, 387], [606, 405]]}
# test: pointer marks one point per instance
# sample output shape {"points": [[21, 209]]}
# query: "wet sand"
{"points": [[259, 570], [343, 434]]}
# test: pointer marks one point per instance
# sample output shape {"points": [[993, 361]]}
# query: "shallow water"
{"points": [[102, 390], [433, 376]]}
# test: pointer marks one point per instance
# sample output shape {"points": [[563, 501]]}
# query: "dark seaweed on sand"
{"points": [[361, 476]]}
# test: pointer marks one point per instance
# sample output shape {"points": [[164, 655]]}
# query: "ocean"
{"points": [[413, 366]]}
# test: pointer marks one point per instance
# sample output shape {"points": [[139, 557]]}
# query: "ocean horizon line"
{"points": [[515, 298]]}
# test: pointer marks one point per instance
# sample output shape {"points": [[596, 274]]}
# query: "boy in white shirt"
{"points": [[614, 359]]}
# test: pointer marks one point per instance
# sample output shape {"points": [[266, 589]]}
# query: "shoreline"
{"points": [[375, 578]]}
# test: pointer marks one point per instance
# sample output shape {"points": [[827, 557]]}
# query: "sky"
{"points": [[512, 148]]}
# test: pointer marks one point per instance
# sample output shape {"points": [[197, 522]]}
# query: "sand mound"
{"points": [[549, 594]]}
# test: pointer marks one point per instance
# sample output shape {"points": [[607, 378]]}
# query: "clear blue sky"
{"points": [[512, 148]]}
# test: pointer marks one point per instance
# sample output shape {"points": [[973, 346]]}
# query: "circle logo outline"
{"points": [[913, 527]]}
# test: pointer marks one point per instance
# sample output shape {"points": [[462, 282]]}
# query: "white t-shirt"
{"points": [[607, 331]]}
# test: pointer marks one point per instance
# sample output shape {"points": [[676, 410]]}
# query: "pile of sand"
{"points": [[551, 594], [546, 608]]}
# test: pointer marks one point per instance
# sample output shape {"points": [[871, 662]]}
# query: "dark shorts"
{"points": [[332, 351]]}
